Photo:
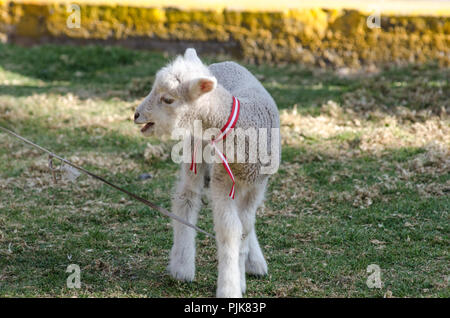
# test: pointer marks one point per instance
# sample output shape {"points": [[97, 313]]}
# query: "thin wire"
{"points": [[134, 196]]}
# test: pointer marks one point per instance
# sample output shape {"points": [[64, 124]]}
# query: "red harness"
{"points": [[223, 133]]}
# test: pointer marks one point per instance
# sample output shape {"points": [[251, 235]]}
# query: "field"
{"points": [[365, 179]]}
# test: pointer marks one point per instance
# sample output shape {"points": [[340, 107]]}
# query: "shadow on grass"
{"points": [[64, 63], [99, 70], [77, 70], [25, 90]]}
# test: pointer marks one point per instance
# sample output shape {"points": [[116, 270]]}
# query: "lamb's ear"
{"points": [[191, 54], [202, 85]]}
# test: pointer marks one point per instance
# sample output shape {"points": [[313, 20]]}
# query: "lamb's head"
{"points": [[176, 88]]}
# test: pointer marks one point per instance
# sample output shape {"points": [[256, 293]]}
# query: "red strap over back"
{"points": [[231, 123]]}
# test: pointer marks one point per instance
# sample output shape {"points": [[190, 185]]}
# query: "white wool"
{"points": [[180, 83]]}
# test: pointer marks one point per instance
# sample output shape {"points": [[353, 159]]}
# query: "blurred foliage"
{"points": [[322, 37]]}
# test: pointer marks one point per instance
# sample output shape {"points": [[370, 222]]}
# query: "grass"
{"points": [[364, 180]]}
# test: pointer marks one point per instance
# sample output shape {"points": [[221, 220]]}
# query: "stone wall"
{"points": [[313, 36]]}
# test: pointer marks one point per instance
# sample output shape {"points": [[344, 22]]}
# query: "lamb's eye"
{"points": [[167, 100]]}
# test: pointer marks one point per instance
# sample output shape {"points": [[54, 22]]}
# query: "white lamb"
{"points": [[187, 90]]}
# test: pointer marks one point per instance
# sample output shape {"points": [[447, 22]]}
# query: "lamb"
{"points": [[186, 91]]}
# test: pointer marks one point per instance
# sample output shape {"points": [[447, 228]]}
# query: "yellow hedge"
{"points": [[325, 37]]}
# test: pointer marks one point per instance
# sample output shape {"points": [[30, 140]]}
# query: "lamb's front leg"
{"points": [[228, 230], [186, 203]]}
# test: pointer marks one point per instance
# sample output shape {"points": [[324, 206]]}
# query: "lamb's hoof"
{"points": [[228, 293], [181, 272], [256, 265], [243, 289], [243, 284]]}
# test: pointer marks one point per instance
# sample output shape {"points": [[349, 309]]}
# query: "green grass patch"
{"points": [[326, 218]]}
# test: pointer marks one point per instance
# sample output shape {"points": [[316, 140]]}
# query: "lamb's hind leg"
{"points": [[255, 263], [250, 255], [186, 203]]}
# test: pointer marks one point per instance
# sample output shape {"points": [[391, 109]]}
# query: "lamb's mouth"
{"points": [[147, 126]]}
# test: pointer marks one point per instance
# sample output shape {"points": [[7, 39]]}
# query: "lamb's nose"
{"points": [[136, 116]]}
